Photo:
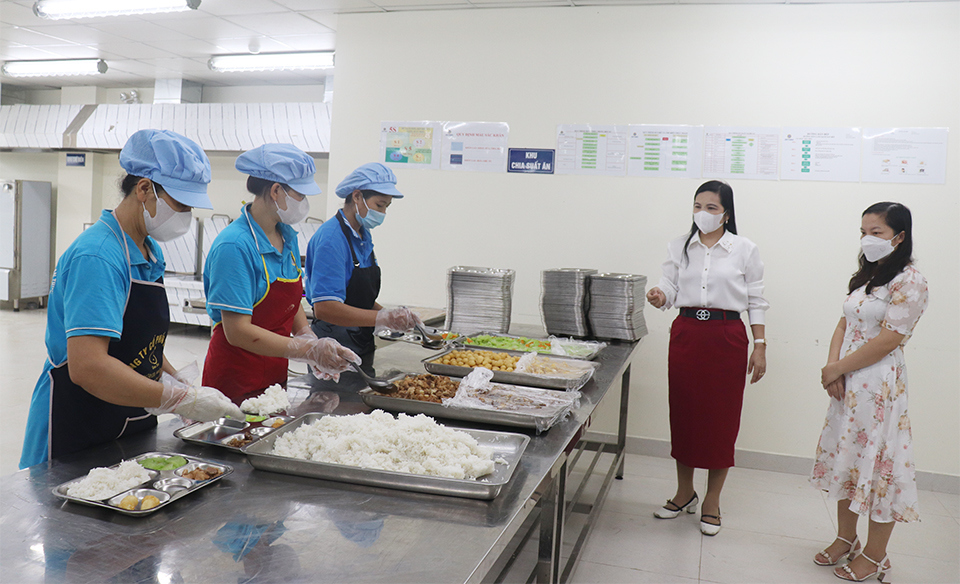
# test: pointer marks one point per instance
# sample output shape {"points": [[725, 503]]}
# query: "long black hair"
{"points": [[725, 193], [878, 273]]}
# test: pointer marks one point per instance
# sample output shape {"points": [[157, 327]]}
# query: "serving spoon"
{"points": [[386, 384], [429, 340]]}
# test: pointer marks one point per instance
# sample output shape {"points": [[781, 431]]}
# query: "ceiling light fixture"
{"points": [[61, 68], [59, 9], [272, 62]]}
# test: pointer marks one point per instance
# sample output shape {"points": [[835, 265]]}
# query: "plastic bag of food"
{"points": [[575, 348], [571, 373], [545, 406]]}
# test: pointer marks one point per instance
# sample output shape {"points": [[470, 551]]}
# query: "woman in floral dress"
{"points": [[864, 458]]}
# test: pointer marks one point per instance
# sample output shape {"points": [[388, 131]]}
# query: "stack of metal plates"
{"points": [[479, 299], [616, 306], [564, 298]]}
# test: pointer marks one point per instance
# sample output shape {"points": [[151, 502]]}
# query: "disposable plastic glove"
{"points": [[326, 357], [194, 403], [396, 319]]}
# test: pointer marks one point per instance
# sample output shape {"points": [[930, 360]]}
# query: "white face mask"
{"points": [[707, 222], [876, 248], [295, 212], [167, 224]]}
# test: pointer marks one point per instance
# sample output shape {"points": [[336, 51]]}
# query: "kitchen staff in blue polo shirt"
{"points": [[343, 278], [105, 375], [253, 285]]}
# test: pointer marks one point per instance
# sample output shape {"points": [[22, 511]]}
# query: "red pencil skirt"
{"points": [[707, 368]]}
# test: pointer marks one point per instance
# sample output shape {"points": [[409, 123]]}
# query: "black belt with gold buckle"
{"points": [[709, 314]]}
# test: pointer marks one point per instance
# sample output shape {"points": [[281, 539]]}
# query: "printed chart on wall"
{"points": [[478, 146], [734, 152], [591, 149], [905, 155], [820, 154], [410, 144], [675, 151]]}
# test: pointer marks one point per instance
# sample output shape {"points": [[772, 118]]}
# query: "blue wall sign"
{"points": [[76, 159], [530, 161]]}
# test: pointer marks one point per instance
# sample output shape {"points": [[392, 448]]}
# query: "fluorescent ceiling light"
{"points": [[58, 9], [59, 68], [272, 62]]}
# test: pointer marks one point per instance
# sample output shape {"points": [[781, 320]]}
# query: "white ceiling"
{"points": [[141, 49]]}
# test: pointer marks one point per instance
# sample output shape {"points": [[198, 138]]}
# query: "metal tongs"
{"points": [[429, 340], [386, 384]]}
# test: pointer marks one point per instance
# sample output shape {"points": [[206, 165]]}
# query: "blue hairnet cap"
{"points": [[281, 163], [173, 161], [372, 176]]}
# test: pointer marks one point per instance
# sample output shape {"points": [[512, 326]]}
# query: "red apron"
{"points": [[240, 374]]}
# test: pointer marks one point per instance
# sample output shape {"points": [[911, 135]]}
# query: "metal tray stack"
{"points": [[564, 298], [479, 299], [616, 306]]}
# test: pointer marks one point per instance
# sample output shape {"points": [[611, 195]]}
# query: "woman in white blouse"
{"points": [[711, 274]]}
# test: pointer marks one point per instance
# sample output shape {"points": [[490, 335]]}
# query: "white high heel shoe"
{"points": [[668, 513], [710, 528], [849, 575], [850, 553]]}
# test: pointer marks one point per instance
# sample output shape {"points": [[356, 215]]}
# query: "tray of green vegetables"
{"points": [[574, 348]]}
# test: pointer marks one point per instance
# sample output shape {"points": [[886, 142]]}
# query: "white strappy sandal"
{"points": [[850, 553], [851, 576]]}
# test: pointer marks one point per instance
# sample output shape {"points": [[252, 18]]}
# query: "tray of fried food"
{"points": [[514, 367]]}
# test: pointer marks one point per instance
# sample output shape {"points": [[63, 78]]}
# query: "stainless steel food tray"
{"points": [[219, 432], [509, 377], [166, 485], [508, 446], [414, 406], [585, 357]]}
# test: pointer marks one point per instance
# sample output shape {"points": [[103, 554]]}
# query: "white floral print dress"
{"points": [[865, 450]]}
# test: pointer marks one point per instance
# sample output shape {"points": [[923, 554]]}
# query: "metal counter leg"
{"points": [[622, 430], [551, 528]]}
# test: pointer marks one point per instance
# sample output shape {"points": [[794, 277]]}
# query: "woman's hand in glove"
{"points": [[326, 357], [195, 403], [396, 319]]}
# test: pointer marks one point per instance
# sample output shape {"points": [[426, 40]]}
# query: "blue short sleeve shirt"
{"points": [[329, 264], [88, 296], [242, 263]]}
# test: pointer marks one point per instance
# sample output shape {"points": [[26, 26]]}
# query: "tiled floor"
{"points": [[773, 523]]}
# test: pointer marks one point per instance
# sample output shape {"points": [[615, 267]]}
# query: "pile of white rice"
{"points": [[101, 483], [410, 444], [271, 401]]}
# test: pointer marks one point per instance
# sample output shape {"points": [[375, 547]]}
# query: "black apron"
{"points": [[78, 419], [362, 291]]}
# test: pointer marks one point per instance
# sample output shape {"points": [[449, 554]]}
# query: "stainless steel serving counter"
{"points": [[257, 526]]}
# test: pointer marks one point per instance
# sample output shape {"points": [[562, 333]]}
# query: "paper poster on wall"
{"points": [[735, 152], [477, 146], [591, 149], [410, 144], [665, 151], [905, 155], [820, 154]]}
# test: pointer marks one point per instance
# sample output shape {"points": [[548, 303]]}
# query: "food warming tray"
{"points": [[166, 485], [505, 445], [509, 377], [590, 348], [220, 432], [433, 409]]}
